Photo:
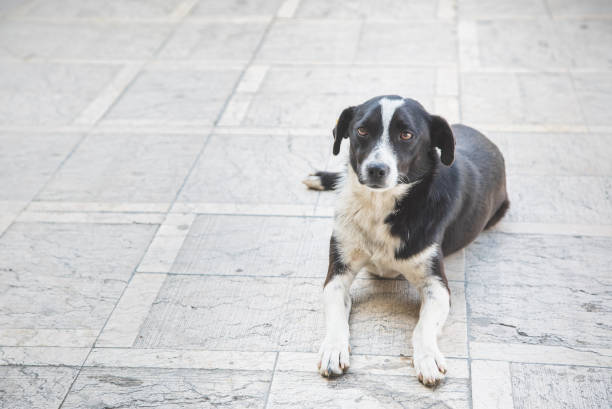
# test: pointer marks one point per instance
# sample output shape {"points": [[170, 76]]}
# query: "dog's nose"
{"points": [[377, 171]]}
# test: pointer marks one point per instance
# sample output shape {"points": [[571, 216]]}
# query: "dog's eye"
{"points": [[405, 135], [362, 131]]}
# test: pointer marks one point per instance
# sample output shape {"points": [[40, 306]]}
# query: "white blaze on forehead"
{"points": [[383, 151]]}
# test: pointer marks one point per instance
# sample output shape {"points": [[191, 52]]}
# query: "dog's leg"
{"points": [[429, 363], [334, 351]]}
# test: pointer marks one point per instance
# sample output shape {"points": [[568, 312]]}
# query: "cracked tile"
{"points": [[34, 387], [66, 276], [168, 388], [540, 290], [563, 387]]}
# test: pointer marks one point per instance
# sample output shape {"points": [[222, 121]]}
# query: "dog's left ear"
{"points": [[442, 137], [341, 129]]}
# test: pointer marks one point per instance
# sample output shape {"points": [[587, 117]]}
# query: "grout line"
{"points": [[167, 243], [271, 381], [102, 103], [467, 39]]}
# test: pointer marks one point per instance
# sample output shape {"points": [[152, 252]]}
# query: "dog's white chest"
{"points": [[365, 239]]}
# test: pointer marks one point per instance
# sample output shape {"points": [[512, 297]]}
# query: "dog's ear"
{"points": [[341, 129], [443, 138]]}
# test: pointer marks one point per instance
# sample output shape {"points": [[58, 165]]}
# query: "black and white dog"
{"points": [[401, 209]]}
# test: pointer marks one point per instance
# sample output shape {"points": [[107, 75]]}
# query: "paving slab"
{"points": [[167, 96], [235, 8], [281, 102], [34, 387], [49, 94], [519, 98], [111, 167], [560, 199], [85, 41], [257, 169], [228, 41], [112, 9], [594, 90], [21, 180], [255, 246], [168, 388], [564, 387], [540, 290], [66, 276], [366, 9]]}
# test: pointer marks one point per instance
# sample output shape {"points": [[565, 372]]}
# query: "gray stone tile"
{"points": [[489, 9], [164, 97], [247, 313], [363, 390], [530, 44], [66, 276], [256, 245], [318, 41], [595, 94], [560, 199], [563, 387], [540, 290], [519, 98], [542, 154], [115, 9], [414, 43], [19, 178], [586, 8], [125, 168], [214, 41], [257, 169], [168, 388], [238, 313], [236, 8], [367, 9], [34, 387], [281, 101], [586, 41], [40, 40], [9, 6], [49, 94]]}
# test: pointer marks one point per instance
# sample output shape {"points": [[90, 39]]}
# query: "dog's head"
{"points": [[393, 140]]}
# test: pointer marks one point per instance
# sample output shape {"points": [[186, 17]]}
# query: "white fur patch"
{"points": [[365, 239], [383, 151]]}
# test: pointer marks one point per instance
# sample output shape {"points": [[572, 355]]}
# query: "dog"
{"points": [[401, 208]]}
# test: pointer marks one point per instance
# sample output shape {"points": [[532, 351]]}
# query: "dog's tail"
{"points": [[322, 180]]}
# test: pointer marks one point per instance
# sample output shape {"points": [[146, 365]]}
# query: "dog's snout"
{"points": [[377, 172]]}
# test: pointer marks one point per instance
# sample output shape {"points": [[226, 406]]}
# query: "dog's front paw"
{"points": [[430, 366], [334, 356]]}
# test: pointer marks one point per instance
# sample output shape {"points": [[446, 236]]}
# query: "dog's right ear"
{"points": [[341, 128]]}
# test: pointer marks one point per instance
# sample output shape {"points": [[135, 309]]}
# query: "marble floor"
{"points": [[158, 250]]}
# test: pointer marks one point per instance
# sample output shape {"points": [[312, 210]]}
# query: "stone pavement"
{"points": [[157, 248]]}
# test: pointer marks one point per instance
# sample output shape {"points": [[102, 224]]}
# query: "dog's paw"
{"points": [[430, 366], [313, 182], [334, 356]]}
